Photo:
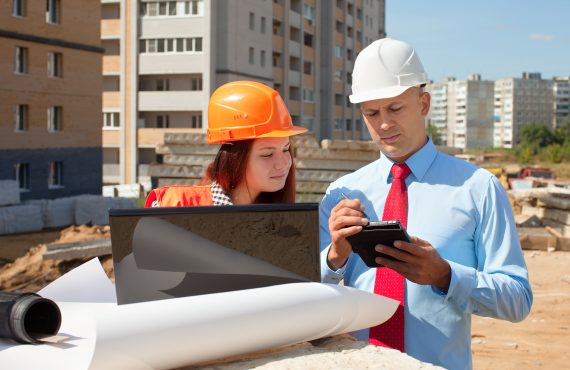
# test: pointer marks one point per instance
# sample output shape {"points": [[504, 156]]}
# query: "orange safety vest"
{"points": [[180, 196]]}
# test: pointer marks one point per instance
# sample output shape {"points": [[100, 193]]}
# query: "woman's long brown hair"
{"points": [[228, 170]]}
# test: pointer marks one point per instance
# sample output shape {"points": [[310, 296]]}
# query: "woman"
{"points": [[254, 163]]}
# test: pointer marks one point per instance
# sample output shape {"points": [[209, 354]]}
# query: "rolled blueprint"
{"points": [[27, 317], [172, 333], [177, 332]]}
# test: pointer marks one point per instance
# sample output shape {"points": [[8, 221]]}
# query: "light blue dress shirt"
{"points": [[461, 210]]}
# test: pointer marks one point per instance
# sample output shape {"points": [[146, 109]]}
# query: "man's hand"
{"points": [[346, 219], [417, 261]]}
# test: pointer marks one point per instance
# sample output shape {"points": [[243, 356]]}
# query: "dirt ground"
{"points": [[540, 341]]}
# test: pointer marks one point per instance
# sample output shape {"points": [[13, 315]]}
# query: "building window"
{"points": [[178, 45], [262, 24], [338, 124], [251, 55], [55, 62], [197, 120], [18, 8], [308, 123], [196, 83], [338, 51], [23, 176], [308, 40], [162, 84], [276, 59], [338, 75], [309, 13], [193, 7], [52, 11], [111, 119], [54, 118], [21, 60], [55, 179], [21, 117], [252, 21], [308, 96], [262, 58], [163, 121], [160, 8], [307, 68]]}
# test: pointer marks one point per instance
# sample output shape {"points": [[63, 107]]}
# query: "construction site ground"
{"points": [[540, 341]]}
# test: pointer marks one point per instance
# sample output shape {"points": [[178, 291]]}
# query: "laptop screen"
{"points": [[161, 253]]}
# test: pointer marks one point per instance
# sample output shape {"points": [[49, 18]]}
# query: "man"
{"points": [[464, 257]]}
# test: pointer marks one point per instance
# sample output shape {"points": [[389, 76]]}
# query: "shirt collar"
{"points": [[419, 162]]}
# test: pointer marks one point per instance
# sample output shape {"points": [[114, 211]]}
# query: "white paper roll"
{"points": [[177, 332]]}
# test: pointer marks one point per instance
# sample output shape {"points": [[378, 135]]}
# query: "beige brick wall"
{"points": [[78, 91]]}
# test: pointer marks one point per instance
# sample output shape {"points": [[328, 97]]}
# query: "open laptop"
{"points": [[161, 253]]}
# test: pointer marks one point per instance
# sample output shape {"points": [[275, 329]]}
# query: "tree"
{"points": [[562, 133], [524, 153], [433, 132], [536, 136], [554, 153]]}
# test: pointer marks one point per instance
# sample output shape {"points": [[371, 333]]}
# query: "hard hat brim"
{"points": [[385, 93], [293, 130]]}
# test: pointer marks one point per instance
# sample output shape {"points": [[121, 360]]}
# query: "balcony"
{"points": [[111, 173], [278, 11], [294, 78], [294, 48], [308, 53], [168, 101], [278, 75], [111, 65], [294, 19], [110, 29], [111, 138], [308, 109], [277, 42], [183, 63], [339, 14], [111, 99], [294, 107]]}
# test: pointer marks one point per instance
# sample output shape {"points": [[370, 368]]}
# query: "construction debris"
{"points": [[543, 217]]}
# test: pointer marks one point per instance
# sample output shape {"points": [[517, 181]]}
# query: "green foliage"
{"points": [[536, 136], [525, 153], [433, 132], [554, 153]]}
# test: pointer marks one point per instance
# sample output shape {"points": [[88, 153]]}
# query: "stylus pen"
{"points": [[346, 197]]}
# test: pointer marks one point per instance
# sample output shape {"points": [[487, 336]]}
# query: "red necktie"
{"points": [[388, 282]]}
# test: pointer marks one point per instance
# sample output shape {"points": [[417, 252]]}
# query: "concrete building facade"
{"points": [[462, 111], [163, 59], [50, 97], [561, 106], [520, 101]]}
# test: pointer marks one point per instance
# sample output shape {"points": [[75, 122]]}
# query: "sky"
{"points": [[495, 38]]}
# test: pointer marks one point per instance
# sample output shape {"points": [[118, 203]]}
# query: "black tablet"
{"points": [[378, 232]]}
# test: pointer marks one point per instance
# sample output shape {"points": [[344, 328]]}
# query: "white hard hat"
{"points": [[385, 69]]}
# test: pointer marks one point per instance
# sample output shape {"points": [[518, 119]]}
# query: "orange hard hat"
{"points": [[243, 110]]}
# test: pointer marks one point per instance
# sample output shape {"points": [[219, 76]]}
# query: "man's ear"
{"points": [[425, 102]]}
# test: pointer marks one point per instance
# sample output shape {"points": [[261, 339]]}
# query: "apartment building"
{"points": [[50, 97], [163, 59], [561, 104], [520, 101], [438, 109], [462, 110]]}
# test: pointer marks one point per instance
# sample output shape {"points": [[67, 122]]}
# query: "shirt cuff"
{"points": [[463, 281], [327, 274]]}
